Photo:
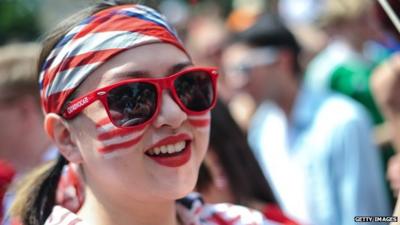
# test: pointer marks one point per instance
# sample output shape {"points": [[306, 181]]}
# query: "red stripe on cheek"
{"points": [[199, 123], [102, 122], [115, 147], [115, 133]]}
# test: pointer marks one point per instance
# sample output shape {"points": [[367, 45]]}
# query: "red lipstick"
{"points": [[174, 159]]}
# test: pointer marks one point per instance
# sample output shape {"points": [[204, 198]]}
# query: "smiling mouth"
{"points": [[167, 150], [171, 155]]}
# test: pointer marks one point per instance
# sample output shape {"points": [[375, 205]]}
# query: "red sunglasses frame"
{"points": [[78, 105]]}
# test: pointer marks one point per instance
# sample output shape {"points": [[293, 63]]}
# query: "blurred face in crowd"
{"points": [[20, 117], [255, 70], [132, 164], [11, 120]]}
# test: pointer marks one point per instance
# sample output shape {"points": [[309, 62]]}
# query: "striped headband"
{"points": [[94, 41]]}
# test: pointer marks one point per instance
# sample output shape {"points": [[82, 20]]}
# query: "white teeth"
{"points": [[171, 149], [181, 145], [168, 149], [164, 149]]}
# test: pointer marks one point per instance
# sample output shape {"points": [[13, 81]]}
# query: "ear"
{"points": [[60, 132]]}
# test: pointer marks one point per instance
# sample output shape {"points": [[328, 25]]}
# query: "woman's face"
{"points": [[133, 170]]}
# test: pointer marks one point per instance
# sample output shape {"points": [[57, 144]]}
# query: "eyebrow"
{"points": [[140, 73], [178, 67]]}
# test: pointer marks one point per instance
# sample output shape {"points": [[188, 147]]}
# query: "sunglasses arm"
{"points": [[78, 105]]}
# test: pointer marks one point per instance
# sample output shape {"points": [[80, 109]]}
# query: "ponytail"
{"points": [[36, 195]]}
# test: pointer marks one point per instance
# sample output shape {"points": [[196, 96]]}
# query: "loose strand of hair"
{"points": [[42, 197]]}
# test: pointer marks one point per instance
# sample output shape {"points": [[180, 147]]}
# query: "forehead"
{"points": [[152, 60]]}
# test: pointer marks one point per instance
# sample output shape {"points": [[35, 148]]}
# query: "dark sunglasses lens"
{"points": [[195, 90], [132, 104]]}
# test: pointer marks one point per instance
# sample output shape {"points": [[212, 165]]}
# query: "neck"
{"points": [[286, 99], [128, 212]]}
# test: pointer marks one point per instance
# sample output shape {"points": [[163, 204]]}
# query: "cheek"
{"points": [[106, 140], [114, 141], [201, 131], [200, 123]]}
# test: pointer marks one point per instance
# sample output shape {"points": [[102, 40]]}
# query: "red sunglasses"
{"points": [[136, 102]]}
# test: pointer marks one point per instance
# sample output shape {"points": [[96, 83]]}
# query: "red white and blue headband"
{"points": [[93, 42]]}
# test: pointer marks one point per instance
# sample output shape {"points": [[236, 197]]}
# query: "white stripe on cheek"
{"points": [[122, 139], [105, 128], [201, 122]]}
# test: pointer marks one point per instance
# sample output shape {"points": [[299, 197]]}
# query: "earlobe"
{"points": [[60, 132]]}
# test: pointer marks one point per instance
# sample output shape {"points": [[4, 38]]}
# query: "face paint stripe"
{"points": [[199, 123], [120, 139], [106, 128], [116, 132], [103, 122], [118, 146]]}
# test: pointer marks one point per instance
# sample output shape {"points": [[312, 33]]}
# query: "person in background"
{"points": [[230, 173], [356, 45], [23, 142], [344, 65], [385, 83], [316, 149], [361, 37], [125, 104]]}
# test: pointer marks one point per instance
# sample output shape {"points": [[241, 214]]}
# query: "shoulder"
{"points": [[224, 213], [62, 216], [340, 110], [194, 211], [343, 127]]}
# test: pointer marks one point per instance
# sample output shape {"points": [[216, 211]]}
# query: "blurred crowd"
{"points": [[307, 128]]}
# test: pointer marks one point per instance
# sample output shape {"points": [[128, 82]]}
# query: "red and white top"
{"points": [[191, 210]]}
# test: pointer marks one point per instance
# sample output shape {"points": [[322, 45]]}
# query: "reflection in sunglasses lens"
{"points": [[132, 104], [195, 90]]}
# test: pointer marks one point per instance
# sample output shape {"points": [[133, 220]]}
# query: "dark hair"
{"points": [[245, 177], [270, 31], [41, 198], [38, 201]]}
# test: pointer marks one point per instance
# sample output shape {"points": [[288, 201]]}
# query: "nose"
{"points": [[170, 113]]}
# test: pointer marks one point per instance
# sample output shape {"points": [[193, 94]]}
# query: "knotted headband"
{"points": [[94, 41]]}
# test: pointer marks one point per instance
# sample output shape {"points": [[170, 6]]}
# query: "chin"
{"points": [[174, 194], [177, 190]]}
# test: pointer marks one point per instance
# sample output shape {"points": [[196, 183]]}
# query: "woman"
{"points": [[230, 173], [129, 113]]}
